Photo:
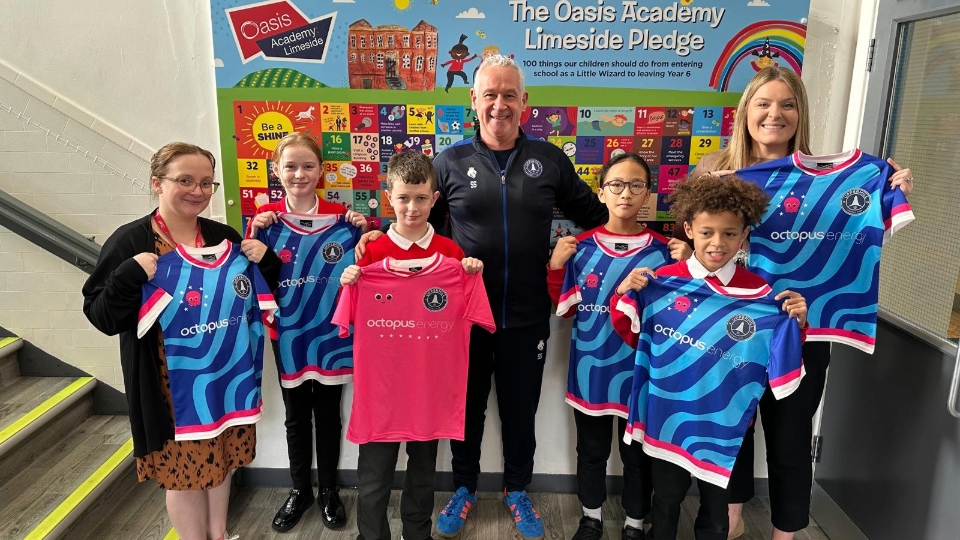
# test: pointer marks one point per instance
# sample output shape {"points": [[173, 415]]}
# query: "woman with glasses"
{"points": [[194, 473]]}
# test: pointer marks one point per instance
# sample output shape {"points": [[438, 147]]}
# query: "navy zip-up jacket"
{"points": [[504, 218]]}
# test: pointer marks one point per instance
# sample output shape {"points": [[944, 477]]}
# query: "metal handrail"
{"points": [[47, 233], [954, 387]]}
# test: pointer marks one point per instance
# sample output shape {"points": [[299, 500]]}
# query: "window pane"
{"points": [[919, 269]]}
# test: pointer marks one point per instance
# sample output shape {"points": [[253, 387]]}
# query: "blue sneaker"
{"points": [[454, 514], [528, 521]]}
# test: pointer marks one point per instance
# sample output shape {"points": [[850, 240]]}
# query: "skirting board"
{"points": [[831, 518], [544, 483]]}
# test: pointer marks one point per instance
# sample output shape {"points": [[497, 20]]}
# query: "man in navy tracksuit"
{"points": [[498, 190]]}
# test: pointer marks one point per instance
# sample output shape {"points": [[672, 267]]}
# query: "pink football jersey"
{"points": [[411, 322]]}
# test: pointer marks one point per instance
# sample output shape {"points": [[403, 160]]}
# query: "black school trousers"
{"points": [[303, 405], [376, 463], [670, 485], [593, 452], [788, 433]]}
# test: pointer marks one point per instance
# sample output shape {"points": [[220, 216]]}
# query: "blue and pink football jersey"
{"points": [[601, 363], [209, 304], [315, 249], [822, 234], [704, 358], [412, 321]]}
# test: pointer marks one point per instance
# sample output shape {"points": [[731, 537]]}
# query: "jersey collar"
{"points": [[405, 244], [607, 242], [412, 267], [317, 222], [828, 164], [206, 257], [724, 274]]}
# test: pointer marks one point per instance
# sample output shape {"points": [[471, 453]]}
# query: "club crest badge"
{"points": [[741, 327], [242, 286], [332, 252], [533, 168], [435, 299], [855, 201]]}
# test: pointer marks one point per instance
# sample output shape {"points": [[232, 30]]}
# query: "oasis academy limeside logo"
{"points": [[278, 30]]}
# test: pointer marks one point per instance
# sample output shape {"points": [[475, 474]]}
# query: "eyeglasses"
{"points": [[188, 185], [617, 187]]}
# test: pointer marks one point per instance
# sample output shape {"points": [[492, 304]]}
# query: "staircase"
{"points": [[64, 471]]}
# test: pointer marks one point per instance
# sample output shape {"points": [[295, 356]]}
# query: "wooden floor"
{"points": [[141, 516]]}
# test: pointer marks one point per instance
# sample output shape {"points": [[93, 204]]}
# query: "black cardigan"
{"points": [[111, 302]]}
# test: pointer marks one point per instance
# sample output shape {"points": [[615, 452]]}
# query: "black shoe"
{"points": [[589, 529], [630, 533], [334, 516], [291, 511]]}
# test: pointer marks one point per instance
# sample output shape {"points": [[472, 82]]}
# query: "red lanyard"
{"points": [[162, 225]]}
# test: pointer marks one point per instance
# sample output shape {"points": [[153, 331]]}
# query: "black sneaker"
{"points": [[589, 529], [631, 533]]}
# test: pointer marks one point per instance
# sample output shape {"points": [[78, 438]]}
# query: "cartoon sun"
{"points": [[401, 4], [686, 2]]}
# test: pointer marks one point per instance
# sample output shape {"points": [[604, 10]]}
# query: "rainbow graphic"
{"points": [[780, 41]]}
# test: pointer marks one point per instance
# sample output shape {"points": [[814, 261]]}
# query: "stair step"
{"points": [[30, 403], [9, 363], [48, 483], [127, 509]]}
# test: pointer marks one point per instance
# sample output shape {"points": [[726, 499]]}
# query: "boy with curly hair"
{"points": [[717, 214]]}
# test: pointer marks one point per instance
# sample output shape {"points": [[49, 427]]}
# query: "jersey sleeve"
{"points": [[569, 290], [477, 305], [265, 298], [785, 368], [154, 301], [896, 211], [346, 309], [625, 316]]}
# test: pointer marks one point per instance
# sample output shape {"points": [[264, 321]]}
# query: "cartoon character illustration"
{"points": [[682, 303], [383, 298], [193, 298], [458, 57], [556, 121], [765, 55], [592, 281], [618, 120], [488, 51], [792, 205], [285, 256], [307, 114], [558, 232]]}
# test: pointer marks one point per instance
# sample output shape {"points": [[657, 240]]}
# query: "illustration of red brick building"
{"points": [[390, 57]]}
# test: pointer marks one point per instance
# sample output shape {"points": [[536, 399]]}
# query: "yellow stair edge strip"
{"points": [[172, 535], [88, 485], [43, 408], [7, 341]]}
